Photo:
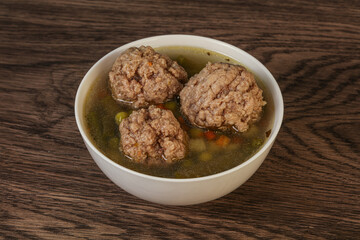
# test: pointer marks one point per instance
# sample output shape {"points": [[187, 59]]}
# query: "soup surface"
{"points": [[210, 152]]}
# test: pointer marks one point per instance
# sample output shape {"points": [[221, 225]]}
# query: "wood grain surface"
{"points": [[307, 188]]}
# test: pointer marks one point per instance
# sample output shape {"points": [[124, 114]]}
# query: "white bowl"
{"points": [[179, 191]]}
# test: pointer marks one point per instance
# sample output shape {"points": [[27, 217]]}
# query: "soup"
{"points": [[210, 152]]}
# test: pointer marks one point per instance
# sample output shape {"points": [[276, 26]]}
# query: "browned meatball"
{"points": [[153, 136], [222, 96], [141, 76]]}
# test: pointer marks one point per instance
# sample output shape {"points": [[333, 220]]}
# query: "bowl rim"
{"points": [[278, 118]]}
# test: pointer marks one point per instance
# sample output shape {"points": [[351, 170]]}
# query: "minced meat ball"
{"points": [[153, 136], [141, 76], [222, 96]]}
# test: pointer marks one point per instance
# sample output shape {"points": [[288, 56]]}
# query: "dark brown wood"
{"points": [[307, 188]]}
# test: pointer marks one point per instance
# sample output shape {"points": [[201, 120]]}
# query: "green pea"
{"points": [[120, 116], [197, 145]]}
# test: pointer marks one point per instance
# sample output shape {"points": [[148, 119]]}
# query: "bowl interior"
{"points": [[101, 69]]}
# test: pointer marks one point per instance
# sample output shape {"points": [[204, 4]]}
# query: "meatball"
{"points": [[222, 96], [141, 76], [153, 136]]}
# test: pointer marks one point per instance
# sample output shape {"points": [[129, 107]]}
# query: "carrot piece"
{"points": [[210, 135], [223, 141], [150, 64], [161, 105]]}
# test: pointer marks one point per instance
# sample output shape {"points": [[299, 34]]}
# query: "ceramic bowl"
{"points": [[179, 191]]}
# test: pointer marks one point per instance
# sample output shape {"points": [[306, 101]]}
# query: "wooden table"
{"points": [[307, 188]]}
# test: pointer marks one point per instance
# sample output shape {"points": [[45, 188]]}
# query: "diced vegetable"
{"points": [[196, 132], [170, 105], [197, 145], [223, 141], [120, 116], [210, 135], [161, 105], [205, 156]]}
